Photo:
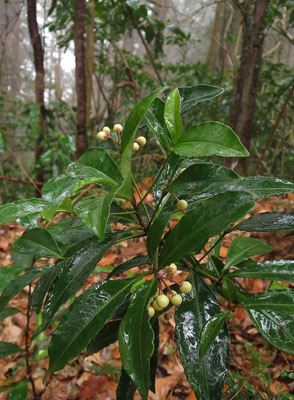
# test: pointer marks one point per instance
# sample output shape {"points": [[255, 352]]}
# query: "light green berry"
{"points": [[182, 205], [162, 300], [151, 311], [106, 129], [171, 269], [186, 287], [136, 147], [101, 136], [171, 294], [117, 128], [156, 306], [176, 300], [141, 141]]}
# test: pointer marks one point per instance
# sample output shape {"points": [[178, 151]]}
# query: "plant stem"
{"points": [[139, 194], [27, 339], [138, 213], [212, 247]]}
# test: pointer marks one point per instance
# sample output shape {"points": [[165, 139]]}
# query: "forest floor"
{"points": [[257, 370]]}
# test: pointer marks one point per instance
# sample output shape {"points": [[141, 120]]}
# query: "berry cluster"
{"points": [[105, 134], [161, 300]]}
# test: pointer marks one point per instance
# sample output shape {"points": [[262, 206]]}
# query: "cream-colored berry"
{"points": [[182, 205], [171, 269], [106, 129], [136, 147], [171, 294], [141, 141], [156, 306], [176, 300], [186, 287], [117, 128], [101, 136], [162, 300], [151, 311]]}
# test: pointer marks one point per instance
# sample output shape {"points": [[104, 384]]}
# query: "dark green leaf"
{"points": [[268, 222], [167, 175], [210, 138], [20, 208], [7, 274], [192, 95], [229, 289], [206, 375], [106, 336], [134, 262], [154, 357], [210, 331], [208, 218], [74, 271], [266, 185], [37, 242], [276, 327], [70, 230], [243, 248], [154, 119], [3, 143], [7, 312], [52, 7], [126, 387], [172, 115], [25, 260], [56, 189], [17, 284], [84, 319], [119, 214], [274, 300], [214, 265], [7, 348], [136, 338], [280, 270], [20, 391]]}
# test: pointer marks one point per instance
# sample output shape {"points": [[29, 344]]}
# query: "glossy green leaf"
{"points": [[128, 136], [30, 221], [92, 309], [119, 214], [266, 185], [126, 387], [20, 208], [154, 357], [136, 336], [133, 262], [206, 375], [192, 95], [18, 283], [229, 289], [279, 270], [56, 189], [208, 218], [210, 138], [25, 260], [274, 300], [3, 143], [172, 115], [210, 331], [7, 348], [74, 271], [20, 391], [106, 336], [268, 222], [276, 327], [95, 163], [70, 230], [37, 242], [7, 312], [243, 248], [214, 265], [173, 164], [154, 119], [7, 274]]}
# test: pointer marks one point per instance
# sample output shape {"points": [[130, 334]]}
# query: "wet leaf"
{"points": [[268, 222], [20, 208], [7, 348], [279, 270], [172, 115]]}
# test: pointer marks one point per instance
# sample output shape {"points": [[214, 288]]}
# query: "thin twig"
{"points": [[19, 180]]}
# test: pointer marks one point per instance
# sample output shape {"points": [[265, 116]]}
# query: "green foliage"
{"points": [[98, 190]]}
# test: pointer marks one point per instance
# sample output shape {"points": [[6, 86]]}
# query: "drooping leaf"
{"points": [[136, 336], [243, 248], [20, 208], [210, 138], [133, 262], [106, 336], [7, 348], [91, 310], [208, 218], [268, 222], [7, 312], [276, 327], [274, 300], [74, 271], [210, 331], [20, 391], [7, 274], [56, 189], [37, 242], [172, 115], [18, 283], [192, 95], [206, 375], [126, 387], [154, 119], [276, 270]]}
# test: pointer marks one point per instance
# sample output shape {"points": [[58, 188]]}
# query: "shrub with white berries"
{"points": [[101, 136], [141, 141], [117, 128]]}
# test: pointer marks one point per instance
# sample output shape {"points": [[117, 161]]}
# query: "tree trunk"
{"points": [[89, 59], [39, 82], [79, 28], [243, 105]]}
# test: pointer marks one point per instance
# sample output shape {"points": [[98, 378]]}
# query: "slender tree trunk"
{"points": [[215, 28], [89, 58], [39, 83], [79, 29], [244, 101]]}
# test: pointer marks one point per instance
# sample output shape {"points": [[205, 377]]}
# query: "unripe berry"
{"points": [[182, 205], [162, 300], [182, 170], [106, 129], [186, 287], [117, 128], [176, 300], [135, 147], [101, 136], [171, 269], [151, 311], [170, 295], [156, 306], [141, 141]]}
